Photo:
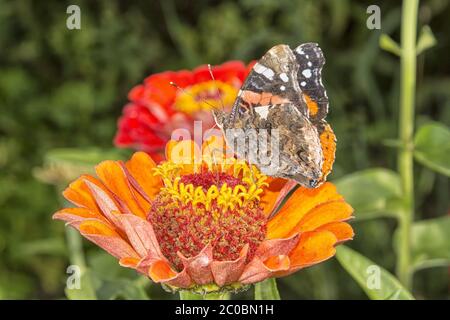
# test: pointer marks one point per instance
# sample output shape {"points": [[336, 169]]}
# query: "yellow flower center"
{"points": [[235, 184], [205, 96]]}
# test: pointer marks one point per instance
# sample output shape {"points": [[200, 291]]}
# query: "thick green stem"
{"points": [[74, 242], [267, 290], [406, 131]]}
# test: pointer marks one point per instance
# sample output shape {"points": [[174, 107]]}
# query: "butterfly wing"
{"points": [[284, 87], [310, 60], [272, 80]]}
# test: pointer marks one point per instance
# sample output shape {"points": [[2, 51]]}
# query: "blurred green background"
{"points": [[66, 88]]}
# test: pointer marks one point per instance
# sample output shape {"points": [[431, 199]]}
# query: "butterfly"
{"points": [[284, 91]]}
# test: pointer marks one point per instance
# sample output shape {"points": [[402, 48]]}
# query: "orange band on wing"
{"points": [[251, 97], [312, 105], [264, 98], [328, 143]]}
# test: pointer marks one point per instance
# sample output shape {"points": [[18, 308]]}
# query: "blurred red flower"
{"points": [[156, 107]]}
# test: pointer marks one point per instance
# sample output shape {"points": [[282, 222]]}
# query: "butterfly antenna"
{"points": [[217, 87], [190, 94]]}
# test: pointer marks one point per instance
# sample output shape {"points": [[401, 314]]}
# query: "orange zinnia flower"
{"points": [[194, 222]]}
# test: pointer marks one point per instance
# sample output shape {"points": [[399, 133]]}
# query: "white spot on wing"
{"points": [[309, 63], [282, 88], [303, 83], [269, 74], [259, 68], [299, 50], [284, 77], [263, 111], [307, 73], [266, 72]]}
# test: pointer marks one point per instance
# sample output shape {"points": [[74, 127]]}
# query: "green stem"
{"points": [[267, 290], [74, 242], [406, 130]]}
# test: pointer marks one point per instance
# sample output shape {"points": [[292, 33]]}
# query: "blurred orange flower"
{"points": [[156, 107], [193, 222]]}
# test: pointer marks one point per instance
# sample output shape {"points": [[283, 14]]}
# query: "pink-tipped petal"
{"points": [[258, 270], [141, 235], [270, 258], [105, 203], [226, 272], [199, 267], [255, 271], [160, 271], [70, 215], [113, 244], [275, 247]]}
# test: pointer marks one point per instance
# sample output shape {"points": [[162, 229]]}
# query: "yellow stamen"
{"points": [[225, 197]]}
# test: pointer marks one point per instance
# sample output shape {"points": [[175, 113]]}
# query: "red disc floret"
{"points": [[188, 228], [208, 179]]}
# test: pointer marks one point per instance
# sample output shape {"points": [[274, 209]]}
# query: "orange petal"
{"points": [[75, 214], [129, 262], [215, 150], [258, 270], [106, 238], [113, 176], [79, 194], [90, 227], [185, 152], [270, 259], [297, 206], [342, 230], [275, 193], [278, 263], [160, 271], [140, 167], [275, 247], [322, 214], [313, 247], [107, 206]]}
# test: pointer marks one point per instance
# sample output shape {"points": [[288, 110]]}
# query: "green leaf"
{"points": [[51, 246], [122, 289], [376, 282], [267, 290], [372, 193], [432, 147], [388, 44], [430, 243], [64, 165], [426, 40], [87, 156]]}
